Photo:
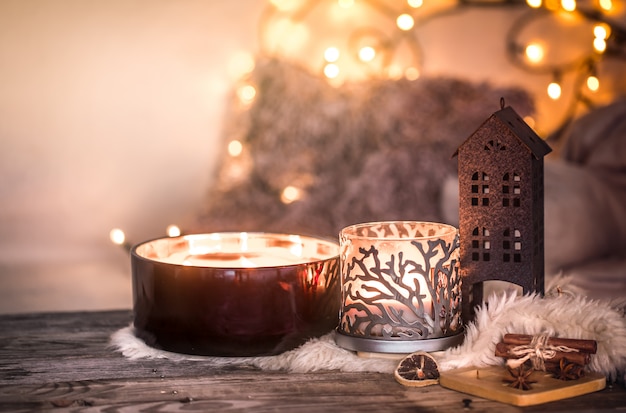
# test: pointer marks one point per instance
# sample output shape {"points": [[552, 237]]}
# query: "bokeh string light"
{"points": [[360, 40], [354, 40], [600, 35], [118, 236]]}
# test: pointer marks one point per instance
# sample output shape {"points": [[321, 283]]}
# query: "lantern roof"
{"points": [[520, 129]]}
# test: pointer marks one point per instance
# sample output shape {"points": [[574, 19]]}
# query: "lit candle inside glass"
{"points": [[235, 251], [235, 293], [400, 283]]}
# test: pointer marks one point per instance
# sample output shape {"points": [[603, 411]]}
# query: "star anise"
{"points": [[520, 378], [569, 371]]}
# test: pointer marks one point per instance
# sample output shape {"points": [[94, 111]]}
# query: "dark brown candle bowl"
{"points": [[235, 294]]}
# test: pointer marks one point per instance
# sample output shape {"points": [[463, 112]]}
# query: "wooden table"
{"points": [[62, 361]]}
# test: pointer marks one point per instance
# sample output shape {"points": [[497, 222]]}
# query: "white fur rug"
{"points": [[559, 313]]}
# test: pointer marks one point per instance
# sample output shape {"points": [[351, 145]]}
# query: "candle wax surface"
{"points": [[268, 257], [238, 250]]}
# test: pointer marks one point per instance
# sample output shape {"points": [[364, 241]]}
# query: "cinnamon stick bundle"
{"points": [[576, 372], [583, 346], [504, 350]]}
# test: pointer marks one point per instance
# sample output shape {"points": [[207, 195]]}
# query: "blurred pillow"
{"points": [[369, 151], [585, 197]]}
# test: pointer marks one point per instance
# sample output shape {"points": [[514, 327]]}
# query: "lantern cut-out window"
{"points": [[512, 245], [511, 191], [477, 189], [481, 244], [493, 145]]}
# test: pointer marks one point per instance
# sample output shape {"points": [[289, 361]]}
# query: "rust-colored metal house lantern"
{"points": [[501, 216]]}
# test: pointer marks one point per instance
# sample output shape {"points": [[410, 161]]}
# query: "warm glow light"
{"points": [[552, 5], [534, 3], [285, 5], [593, 83], [172, 231], [243, 241], [345, 4], [331, 54], [246, 93], [601, 31], [534, 52], [297, 248], [235, 148], [599, 44], [394, 72], [405, 22], [568, 5], [290, 194], [367, 54], [530, 121], [240, 64], [117, 236], [606, 4], [331, 70], [412, 73], [290, 36], [554, 90], [415, 3]]}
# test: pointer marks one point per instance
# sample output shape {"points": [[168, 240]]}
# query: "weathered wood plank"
{"points": [[63, 361], [74, 347], [236, 391], [239, 391]]}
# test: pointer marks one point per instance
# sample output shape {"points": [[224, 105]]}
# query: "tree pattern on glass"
{"points": [[386, 299]]}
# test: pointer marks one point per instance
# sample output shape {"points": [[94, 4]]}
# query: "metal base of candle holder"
{"points": [[396, 346]]}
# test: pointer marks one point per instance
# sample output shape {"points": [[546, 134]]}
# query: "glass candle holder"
{"points": [[235, 294], [400, 287]]}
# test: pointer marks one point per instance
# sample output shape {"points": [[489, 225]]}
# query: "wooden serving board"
{"points": [[488, 383]]}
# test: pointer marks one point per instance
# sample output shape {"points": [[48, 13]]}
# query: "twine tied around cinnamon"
{"points": [[538, 351]]}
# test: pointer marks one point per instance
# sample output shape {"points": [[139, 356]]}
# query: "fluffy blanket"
{"points": [[560, 313]]}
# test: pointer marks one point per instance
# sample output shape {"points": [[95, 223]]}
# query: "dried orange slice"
{"points": [[417, 370]]}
